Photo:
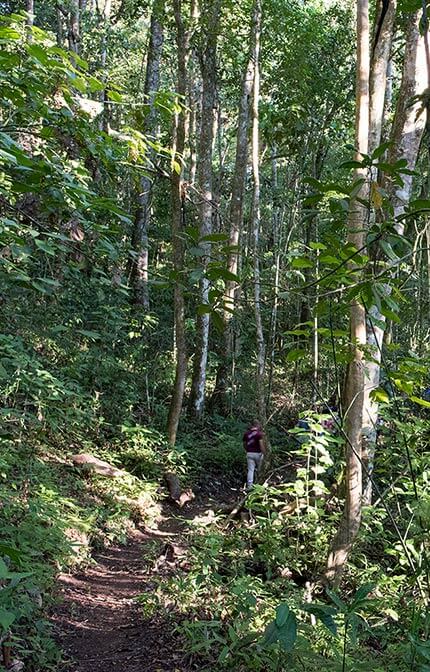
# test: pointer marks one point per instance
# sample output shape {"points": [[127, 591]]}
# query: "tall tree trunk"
{"points": [[106, 14], [353, 398], [60, 32], [74, 26], [143, 213], [178, 221], [210, 22], [277, 219], [235, 223], [407, 131], [255, 221], [381, 51], [410, 119], [29, 7], [380, 57]]}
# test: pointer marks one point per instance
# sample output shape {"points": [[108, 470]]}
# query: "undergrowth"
{"points": [[52, 517], [250, 595]]}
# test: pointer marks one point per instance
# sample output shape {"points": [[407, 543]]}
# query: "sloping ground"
{"points": [[98, 622]]}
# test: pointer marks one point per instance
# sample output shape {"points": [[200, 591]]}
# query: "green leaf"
{"points": [[380, 151], [379, 395], [298, 332], [114, 96], [219, 273], [6, 619], [363, 591], [329, 260], [224, 654], [282, 613], [37, 52], [302, 262], [312, 199], [419, 204], [45, 247], [4, 571], [13, 553], [420, 402], [386, 247], [295, 355], [93, 335], [352, 164], [204, 308], [390, 314], [214, 238], [285, 634], [324, 613], [288, 632], [271, 633], [336, 599], [7, 33], [218, 321]]}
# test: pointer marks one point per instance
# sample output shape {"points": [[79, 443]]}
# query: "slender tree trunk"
{"points": [[105, 34], [255, 222], [194, 105], [29, 7], [410, 117], [143, 214], [353, 398], [408, 127], [277, 217], [381, 51], [235, 221], [380, 57], [178, 222], [60, 32], [74, 26], [210, 21]]}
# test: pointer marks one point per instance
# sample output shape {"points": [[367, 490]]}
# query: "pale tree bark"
{"points": [[210, 21], [143, 214], [194, 103], [277, 220], [410, 116], [381, 52], [379, 64], [406, 135], [354, 383], [235, 223], [255, 222], [178, 222]]}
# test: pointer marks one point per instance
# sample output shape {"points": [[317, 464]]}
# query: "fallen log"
{"points": [[91, 464]]}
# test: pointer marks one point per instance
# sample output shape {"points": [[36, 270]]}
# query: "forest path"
{"points": [[99, 623]]}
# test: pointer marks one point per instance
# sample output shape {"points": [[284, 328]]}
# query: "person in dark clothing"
{"points": [[253, 442]]}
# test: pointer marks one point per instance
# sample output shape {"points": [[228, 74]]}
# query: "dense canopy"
{"points": [[215, 216]]}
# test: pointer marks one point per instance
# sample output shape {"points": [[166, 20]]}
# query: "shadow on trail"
{"points": [[99, 623]]}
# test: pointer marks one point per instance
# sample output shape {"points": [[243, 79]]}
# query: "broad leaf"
{"points": [[6, 619]]}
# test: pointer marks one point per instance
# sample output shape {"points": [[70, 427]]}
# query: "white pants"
{"points": [[254, 462]]}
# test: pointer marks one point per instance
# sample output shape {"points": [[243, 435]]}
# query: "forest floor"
{"points": [[99, 623]]}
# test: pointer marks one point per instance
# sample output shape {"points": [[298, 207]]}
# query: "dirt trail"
{"points": [[99, 624]]}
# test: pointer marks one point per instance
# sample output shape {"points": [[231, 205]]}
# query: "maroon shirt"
{"points": [[251, 440]]}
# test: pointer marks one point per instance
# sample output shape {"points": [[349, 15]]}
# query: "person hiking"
{"points": [[253, 442]]}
